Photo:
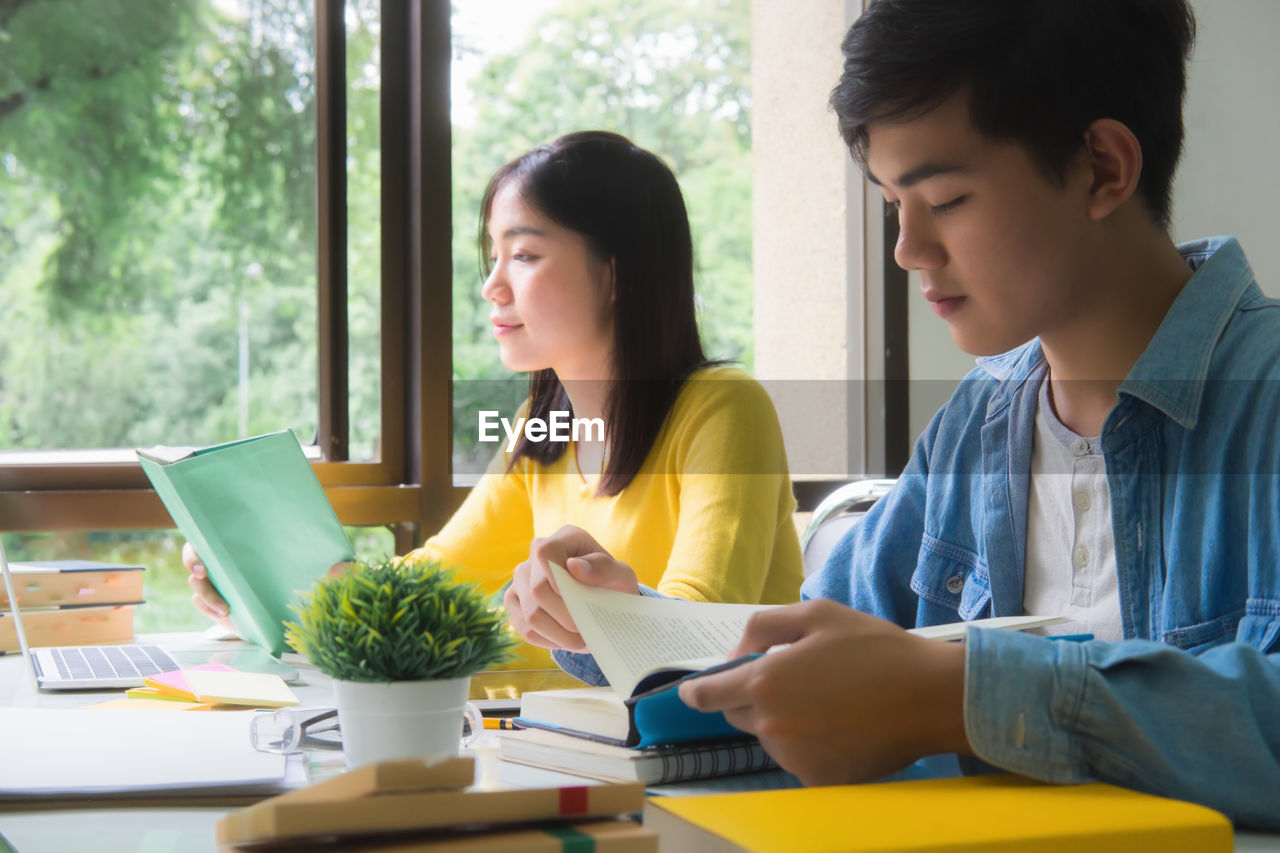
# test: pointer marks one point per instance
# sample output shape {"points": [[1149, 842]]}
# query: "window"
{"points": [[191, 250], [160, 212], [671, 75], [238, 217]]}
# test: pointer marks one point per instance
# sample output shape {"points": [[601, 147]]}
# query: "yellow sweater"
{"points": [[708, 518]]}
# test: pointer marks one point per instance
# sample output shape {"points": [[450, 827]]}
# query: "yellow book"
{"points": [[977, 813]]}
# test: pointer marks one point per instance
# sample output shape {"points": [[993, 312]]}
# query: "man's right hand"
{"points": [[851, 699]]}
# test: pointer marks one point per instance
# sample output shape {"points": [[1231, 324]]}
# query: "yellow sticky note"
{"points": [[133, 704], [250, 689], [151, 694]]}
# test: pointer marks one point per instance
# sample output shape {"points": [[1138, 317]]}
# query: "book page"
{"points": [[164, 454], [956, 630], [631, 636]]}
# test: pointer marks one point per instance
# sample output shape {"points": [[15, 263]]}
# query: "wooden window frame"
{"points": [[410, 487]]}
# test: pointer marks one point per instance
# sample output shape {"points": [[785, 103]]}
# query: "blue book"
{"points": [[645, 646], [652, 715]]}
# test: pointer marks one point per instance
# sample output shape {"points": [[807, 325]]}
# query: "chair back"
{"points": [[839, 512]]}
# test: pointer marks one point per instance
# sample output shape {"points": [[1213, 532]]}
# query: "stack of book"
{"points": [[638, 729], [409, 805], [71, 603], [654, 765]]}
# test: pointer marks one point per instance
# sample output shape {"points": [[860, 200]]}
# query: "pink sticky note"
{"points": [[174, 678]]}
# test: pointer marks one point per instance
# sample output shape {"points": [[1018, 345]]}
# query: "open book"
{"points": [[645, 645], [259, 520]]}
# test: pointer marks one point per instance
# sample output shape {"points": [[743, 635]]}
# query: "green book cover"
{"points": [[259, 520]]}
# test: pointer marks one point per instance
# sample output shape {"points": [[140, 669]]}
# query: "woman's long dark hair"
{"points": [[626, 204]]}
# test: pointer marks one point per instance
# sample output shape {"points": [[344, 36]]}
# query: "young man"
{"points": [[1115, 457]]}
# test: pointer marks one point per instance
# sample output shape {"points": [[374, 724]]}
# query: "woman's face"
{"points": [[552, 299]]}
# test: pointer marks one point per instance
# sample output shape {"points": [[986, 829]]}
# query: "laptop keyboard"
{"points": [[112, 662]]}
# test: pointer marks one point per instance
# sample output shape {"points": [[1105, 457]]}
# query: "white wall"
{"points": [[807, 239], [1228, 183]]}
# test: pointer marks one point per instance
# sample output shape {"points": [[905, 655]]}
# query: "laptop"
{"points": [[117, 666]]}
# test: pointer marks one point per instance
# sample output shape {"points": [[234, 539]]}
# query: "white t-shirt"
{"points": [[1071, 553]]}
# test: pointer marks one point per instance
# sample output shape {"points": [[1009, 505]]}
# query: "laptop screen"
{"points": [[13, 608]]}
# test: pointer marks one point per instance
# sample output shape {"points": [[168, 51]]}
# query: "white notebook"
{"points": [[56, 751]]}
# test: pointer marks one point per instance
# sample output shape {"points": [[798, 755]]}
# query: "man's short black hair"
{"points": [[1037, 72]]}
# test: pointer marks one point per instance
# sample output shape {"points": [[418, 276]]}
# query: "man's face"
{"points": [[1002, 251]]}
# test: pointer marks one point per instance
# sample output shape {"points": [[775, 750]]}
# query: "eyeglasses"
{"points": [[287, 730]]}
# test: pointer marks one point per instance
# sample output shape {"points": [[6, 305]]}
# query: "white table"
{"points": [[153, 829], [191, 829]]}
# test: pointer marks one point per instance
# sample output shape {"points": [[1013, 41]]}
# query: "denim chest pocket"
{"points": [[1205, 635], [952, 577], [1258, 625]]}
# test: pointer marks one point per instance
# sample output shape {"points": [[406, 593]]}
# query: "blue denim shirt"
{"points": [[1188, 704]]}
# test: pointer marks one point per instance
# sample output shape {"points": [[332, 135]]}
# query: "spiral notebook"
{"points": [[659, 765]]}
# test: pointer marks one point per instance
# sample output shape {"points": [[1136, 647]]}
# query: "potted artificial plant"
{"points": [[401, 641]]}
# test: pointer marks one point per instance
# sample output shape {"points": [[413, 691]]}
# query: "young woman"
{"points": [[589, 266]]}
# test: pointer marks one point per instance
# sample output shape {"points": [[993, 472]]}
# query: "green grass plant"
{"points": [[394, 620]]}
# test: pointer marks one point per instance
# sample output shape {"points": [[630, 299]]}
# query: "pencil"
{"points": [[500, 723]]}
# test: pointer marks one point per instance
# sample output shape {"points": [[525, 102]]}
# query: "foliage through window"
{"points": [[158, 231], [158, 239], [673, 76]]}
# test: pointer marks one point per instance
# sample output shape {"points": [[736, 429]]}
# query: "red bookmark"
{"points": [[573, 800]]}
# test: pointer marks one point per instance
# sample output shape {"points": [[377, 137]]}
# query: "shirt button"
{"points": [[1083, 501], [955, 584], [1081, 557], [1080, 446]]}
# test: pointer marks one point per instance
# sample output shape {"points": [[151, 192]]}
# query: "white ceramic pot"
{"points": [[382, 721]]}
